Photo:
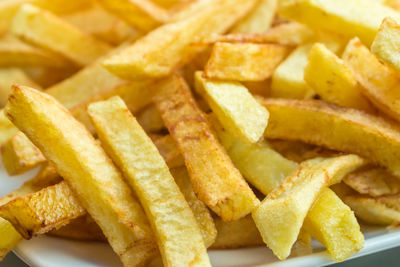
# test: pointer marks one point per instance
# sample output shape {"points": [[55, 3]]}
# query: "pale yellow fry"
{"points": [[9, 238], [235, 107], [259, 18], [215, 180], [281, 214], [46, 30], [333, 224], [80, 160], [164, 49], [332, 80], [200, 211], [348, 17], [244, 62], [7, 129], [380, 84], [338, 128], [177, 232]]}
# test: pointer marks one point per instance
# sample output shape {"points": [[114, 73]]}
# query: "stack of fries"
{"points": [[169, 127]]}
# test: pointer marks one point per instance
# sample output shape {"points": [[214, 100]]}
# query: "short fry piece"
{"points": [[369, 136], [175, 227], [281, 214], [91, 174], [332, 80], [50, 32], [235, 107], [215, 180], [244, 62]]}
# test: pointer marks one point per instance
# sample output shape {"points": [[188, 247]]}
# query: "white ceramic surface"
{"points": [[47, 251]]}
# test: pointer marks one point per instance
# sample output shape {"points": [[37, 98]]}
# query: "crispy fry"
{"points": [[244, 62], [170, 152], [368, 136], [215, 180], [259, 18], [348, 17], [97, 183], [332, 80], [20, 155], [281, 214], [235, 107], [175, 227], [50, 32], [164, 49], [373, 181]]}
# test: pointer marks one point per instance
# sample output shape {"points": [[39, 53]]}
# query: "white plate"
{"points": [[47, 251]]}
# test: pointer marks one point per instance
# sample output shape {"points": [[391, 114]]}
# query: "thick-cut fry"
{"points": [[244, 62], [333, 224], [91, 174], [281, 214], [40, 212], [150, 119], [348, 17], [9, 237], [375, 182], [141, 14], [10, 76], [14, 52], [386, 44], [50, 32], [237, 110], [170, 152], [20, 155], [259, 18], [178, 234], [332, 80], [7, 129], [200, 211], [379, 82], [158, 53], [336, 128], [102, 24], [215, 180], [236, 234]]}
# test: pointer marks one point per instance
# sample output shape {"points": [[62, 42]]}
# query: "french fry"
{"points": [[348, 17], [20, 155], [42, 211], [244, 62], [236, 234], [281, 214], [332, 80], [170, 152], [14, 52], [47, 76], [141, 14], [379, 82], [101, 24], [178, 234], [369, 136], [200, 211], [150, 119], [259, 18], [7, 129], [374, 182], [333, 224], [164, 49], [235, 107], [10, 76], [89, 172], [62, 6], [215, 180], [395, 4], [171, 4], [9, 237], [46, 30]]}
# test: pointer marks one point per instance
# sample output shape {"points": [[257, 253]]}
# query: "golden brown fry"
{"points": [[44, 29], [379, 83], [20, 155], [95, 180], [374, 182], [42, 211], [164, 49], [200, 211], [336, 128], [244, 62], [150, 119], [170, 152], [215, 180]]}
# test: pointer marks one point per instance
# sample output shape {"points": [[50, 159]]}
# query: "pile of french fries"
{"points": [[169, 127]]}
